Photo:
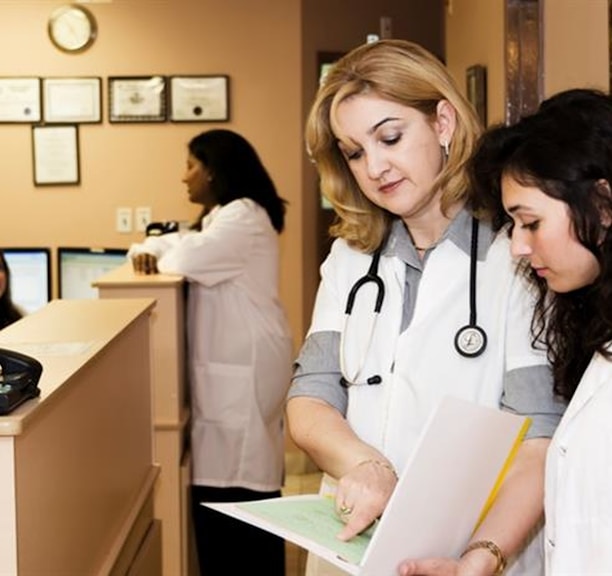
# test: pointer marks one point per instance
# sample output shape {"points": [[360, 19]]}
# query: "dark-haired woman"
{"points": [[240, 347], [9, 312], [550, 175]]}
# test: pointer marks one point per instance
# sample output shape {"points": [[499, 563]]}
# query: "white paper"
{"points": [[438, 501]]}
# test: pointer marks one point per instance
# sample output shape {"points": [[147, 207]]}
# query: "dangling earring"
{"points": [[446, 150]]}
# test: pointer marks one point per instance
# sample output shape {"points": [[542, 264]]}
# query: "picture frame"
{"points": [[72, 100], [55, 151], [137, 99], [20, 100], [199, 98], [476, 89], [325, 60]]}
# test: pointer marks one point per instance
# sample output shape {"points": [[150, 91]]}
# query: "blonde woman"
{"points": [[442, 311]]}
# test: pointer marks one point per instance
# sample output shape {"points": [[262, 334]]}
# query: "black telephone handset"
{"points": [[19, 376], [160, 228]]}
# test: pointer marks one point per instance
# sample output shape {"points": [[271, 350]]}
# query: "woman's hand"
{"points": [[144, 263], [429, 567], [479, 562], [362, 495]]}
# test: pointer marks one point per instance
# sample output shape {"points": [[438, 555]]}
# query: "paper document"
{"points": [[445, 488]]}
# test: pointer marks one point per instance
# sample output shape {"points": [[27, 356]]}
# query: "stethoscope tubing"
{"points": [[371, 276], [470, 340]]}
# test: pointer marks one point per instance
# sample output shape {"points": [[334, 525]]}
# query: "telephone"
{"points": [[159, 228], [19, 376]]}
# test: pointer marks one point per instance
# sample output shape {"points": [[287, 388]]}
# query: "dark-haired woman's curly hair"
{"points": [[564, 150]]}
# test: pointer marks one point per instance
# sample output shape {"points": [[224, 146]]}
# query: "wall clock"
{"points": [[72, 28]]}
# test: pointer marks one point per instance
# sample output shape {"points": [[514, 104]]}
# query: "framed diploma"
{"points": [[56, 155], [20, 100], [199, 98], [72, 100], [138, 99]]}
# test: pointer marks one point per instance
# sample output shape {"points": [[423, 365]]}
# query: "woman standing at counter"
{"points": [[240, 348]]}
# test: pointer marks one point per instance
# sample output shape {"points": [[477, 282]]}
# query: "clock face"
{"points": [[72, 28]]}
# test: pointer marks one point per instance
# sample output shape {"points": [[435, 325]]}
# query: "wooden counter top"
{"points": [[63, 337]]}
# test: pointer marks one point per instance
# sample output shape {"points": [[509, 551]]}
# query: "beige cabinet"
{"points": [[76, 464], [170, 406]]}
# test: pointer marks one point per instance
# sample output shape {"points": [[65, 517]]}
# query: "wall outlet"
{"points": [[143, 218], [123, 222]]}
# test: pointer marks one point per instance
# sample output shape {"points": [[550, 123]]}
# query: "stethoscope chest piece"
{"points": [[470, 341]]}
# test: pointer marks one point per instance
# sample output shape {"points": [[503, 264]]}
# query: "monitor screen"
{"points": [[78, 268], [30, 272]]}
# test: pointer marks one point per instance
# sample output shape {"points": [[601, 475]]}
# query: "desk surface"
{"points": [[63, 336]]}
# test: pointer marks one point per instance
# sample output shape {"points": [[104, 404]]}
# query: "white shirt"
{"points": [[578, 490]]}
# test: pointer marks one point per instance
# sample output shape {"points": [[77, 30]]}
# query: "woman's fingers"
{"points": [[144, 264]]}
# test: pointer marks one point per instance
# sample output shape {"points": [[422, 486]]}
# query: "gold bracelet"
{"points": [[380, 463], [494, 549]]}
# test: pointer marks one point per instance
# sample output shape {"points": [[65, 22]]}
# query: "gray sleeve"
{"points": [[529, 391], [316, 371]]}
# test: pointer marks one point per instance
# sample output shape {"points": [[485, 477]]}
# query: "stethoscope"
{"points": [[470, 340]]}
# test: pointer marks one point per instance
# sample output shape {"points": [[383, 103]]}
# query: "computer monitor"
{"points": [[30, 272], [78, 268]]}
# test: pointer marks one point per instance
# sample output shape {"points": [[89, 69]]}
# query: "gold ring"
{"points": [[345, 510]]}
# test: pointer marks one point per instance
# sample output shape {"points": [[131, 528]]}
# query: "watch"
{"points": [[72, 28]]}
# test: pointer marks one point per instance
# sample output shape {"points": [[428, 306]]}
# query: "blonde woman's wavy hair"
{"points": [[402, 72]]}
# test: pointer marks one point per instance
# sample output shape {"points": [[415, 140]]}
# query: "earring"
{"points": [[446, 149]]}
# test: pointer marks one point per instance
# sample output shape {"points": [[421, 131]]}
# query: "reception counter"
{"points": [[170, 406], [77, 473]]}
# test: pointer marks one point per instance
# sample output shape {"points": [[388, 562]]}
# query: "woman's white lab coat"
{"points": [[420, 365], [239, 341], [578, 497]]}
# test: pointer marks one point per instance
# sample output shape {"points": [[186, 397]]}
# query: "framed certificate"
{"points": [[20, 100], [199, 98], [72, 100], [56, 155], [137, 99]]}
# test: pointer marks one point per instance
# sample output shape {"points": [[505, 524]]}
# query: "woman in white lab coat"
{"points": [[553, 171], [239, 343], [390, 135]]}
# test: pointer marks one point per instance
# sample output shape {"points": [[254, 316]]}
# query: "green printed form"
{"points": [[314, 519]]}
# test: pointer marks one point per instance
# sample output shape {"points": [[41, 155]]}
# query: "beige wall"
{"points": [[142, 164], [574, 43], [576, 52]]}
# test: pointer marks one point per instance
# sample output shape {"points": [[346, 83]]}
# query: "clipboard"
{"points": [[444, 491]]}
